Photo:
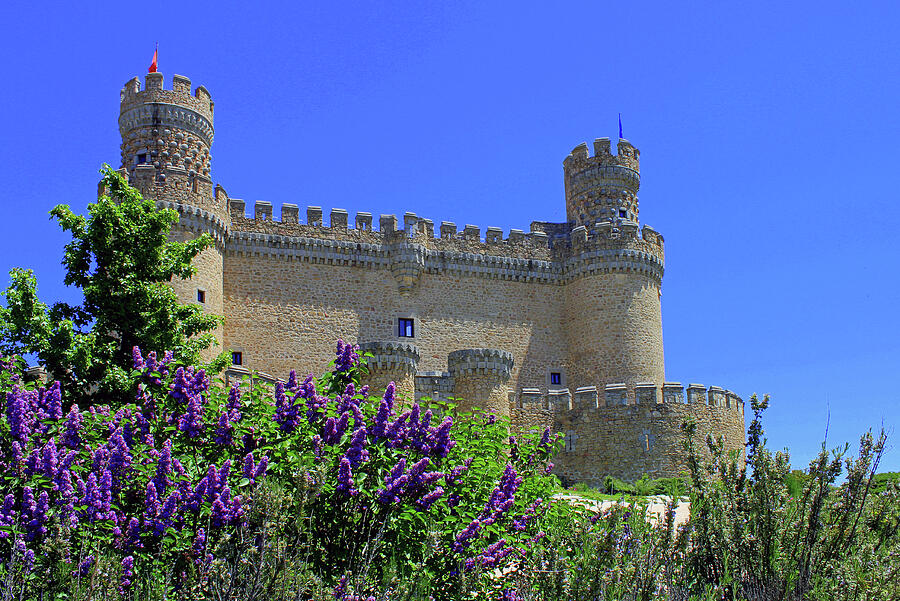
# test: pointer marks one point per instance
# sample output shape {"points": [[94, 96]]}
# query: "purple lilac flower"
{"points": [[84, 568], [429, 499], [17, 460], [198, 548], [491, 555], [36, 515], [544, 443], [333, 429], [261, 468], [127, 574], [105, 490], [224, 472], [28, 560], [33, 463], [199, 493], [395, 433], [292, 380], [49, 459], [317, 446], [66, 499], [7, 514], [219, 516], [133, 535], [521, 523], [439, 439], [345, 483], [286, 411], [347, 357], [453, 476], [17, 415], [315, 406], [151, 503], [119, 458], [249, 466], [137, 359], [356, 452], [168, 512], [224, 434], [464, 538], [385, 410], [52, 401], [234, 403], [191, 423], [163, 468]]}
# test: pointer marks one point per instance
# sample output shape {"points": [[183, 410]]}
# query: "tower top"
{"points": [[602, 187], [154, 92], [170, 130]]}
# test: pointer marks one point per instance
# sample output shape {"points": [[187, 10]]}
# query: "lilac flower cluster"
{"points": [[498, 505], [347, 357]]}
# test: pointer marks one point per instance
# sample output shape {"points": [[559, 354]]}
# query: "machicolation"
{"points": [[559, 326]]}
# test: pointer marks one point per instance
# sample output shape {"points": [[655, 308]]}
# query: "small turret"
{"points": [[166, 140], [602, 187]]}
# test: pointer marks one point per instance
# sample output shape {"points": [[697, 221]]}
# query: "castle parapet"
{"points": [[696, 394], [559, 399], [673, 393], [585, 398], [646, 393], [616, 394]]}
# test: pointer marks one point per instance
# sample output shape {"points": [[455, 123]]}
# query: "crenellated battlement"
{"points": [[179, 94], [648, 394]]}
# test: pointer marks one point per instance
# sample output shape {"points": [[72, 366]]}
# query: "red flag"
{"points": [[152, 68]]}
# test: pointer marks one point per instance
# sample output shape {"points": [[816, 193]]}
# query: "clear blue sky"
{"points": [[768, 131]]}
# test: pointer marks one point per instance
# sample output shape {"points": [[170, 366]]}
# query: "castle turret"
{"points": [[166, 140], [391, 361], [480, 379], [612, 318], [603, 186]]}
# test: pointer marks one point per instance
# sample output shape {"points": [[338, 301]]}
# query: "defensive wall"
{"points": [[558, 326]]}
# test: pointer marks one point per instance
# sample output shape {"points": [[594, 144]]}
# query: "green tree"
{"points": [[122, 260]]}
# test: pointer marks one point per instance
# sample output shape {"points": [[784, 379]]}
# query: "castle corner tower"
{"points": [[166, 140]]}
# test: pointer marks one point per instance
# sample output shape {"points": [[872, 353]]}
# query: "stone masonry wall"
{"points": [[627, 441], [286, 314]]}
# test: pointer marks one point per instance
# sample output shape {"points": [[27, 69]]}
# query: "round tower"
{"points": [[612, 314], [166, 140], [480, 379], [391, 361]]}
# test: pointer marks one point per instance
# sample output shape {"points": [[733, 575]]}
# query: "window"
{"points": [[142, 158], [623, 213], [405, 328], [237, 358], [555, 378], [201, 296]]}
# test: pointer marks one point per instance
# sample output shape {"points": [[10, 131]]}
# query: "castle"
{"points": [[559, 326]]}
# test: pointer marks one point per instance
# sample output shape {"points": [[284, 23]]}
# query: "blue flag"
{"points": [[620, 127]]}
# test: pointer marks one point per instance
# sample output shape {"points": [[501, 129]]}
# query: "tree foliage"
{"points": [[122, 260]]}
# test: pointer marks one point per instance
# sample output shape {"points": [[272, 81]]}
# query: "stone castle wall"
{"points": [[606, 437]]}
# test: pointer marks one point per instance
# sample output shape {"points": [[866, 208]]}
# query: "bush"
{"points": [[316, 482]]}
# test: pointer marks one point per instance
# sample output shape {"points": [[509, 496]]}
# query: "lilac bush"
{"points": [[170, 479]]}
